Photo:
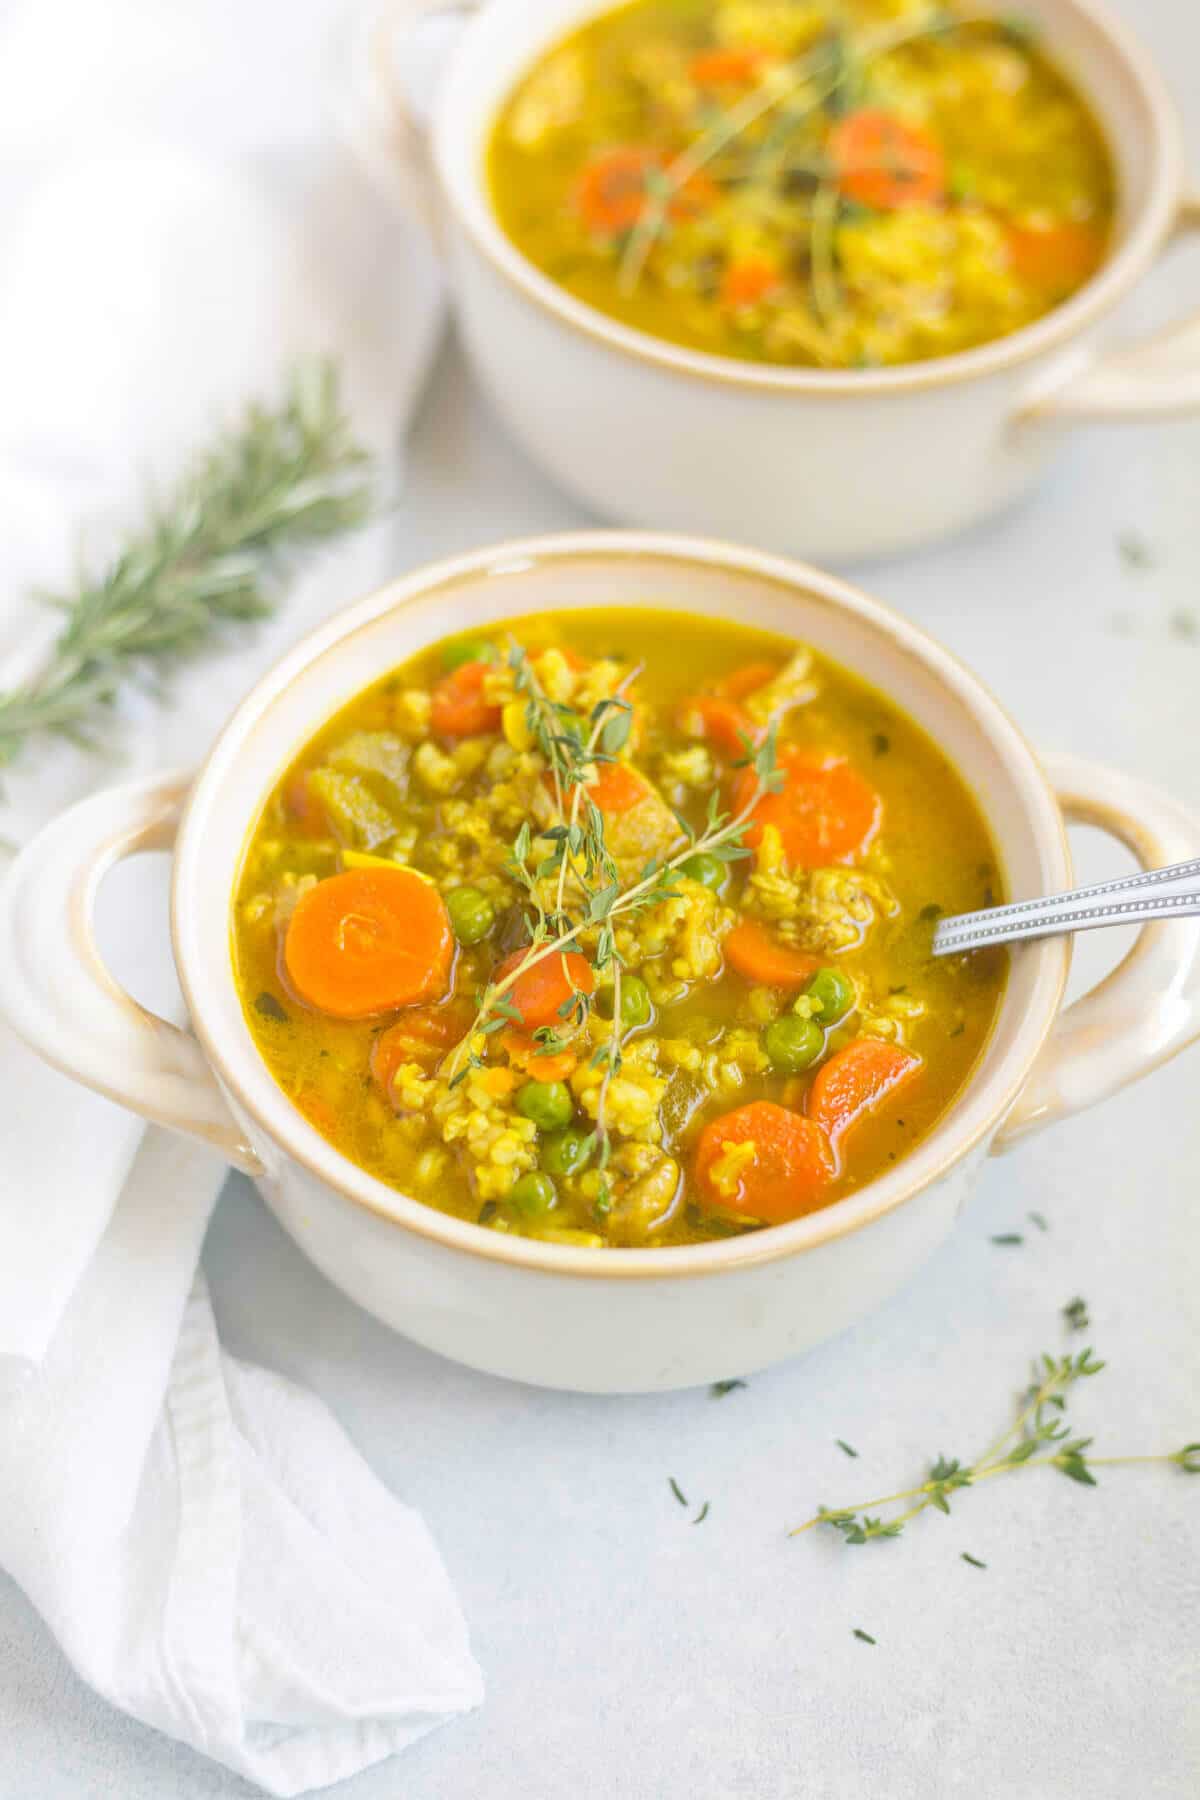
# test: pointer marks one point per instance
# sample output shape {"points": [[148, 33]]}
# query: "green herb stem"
{"points": [[280, 480]]}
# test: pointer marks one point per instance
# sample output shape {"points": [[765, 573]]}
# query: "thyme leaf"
{"points": [[1038, 1437]]}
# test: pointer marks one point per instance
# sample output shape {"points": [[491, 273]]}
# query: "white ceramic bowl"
{"points": [[588, 1319], [835, 464]]}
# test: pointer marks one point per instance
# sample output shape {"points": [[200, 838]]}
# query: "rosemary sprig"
{"points": [[279, 480], [1039, 1437]]}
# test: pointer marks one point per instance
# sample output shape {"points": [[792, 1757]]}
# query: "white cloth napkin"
{"points": [[209, 1549]]}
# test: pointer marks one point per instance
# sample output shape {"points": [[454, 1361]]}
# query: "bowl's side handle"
{"points": [[56, 992], [1148, 1008], [377, 115], [1155, 379]]}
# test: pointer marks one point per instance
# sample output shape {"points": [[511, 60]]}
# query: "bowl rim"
{"points": [[1150, 230], [290, 1132]]}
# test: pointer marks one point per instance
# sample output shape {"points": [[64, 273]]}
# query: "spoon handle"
{"points": [[1170, 893]]}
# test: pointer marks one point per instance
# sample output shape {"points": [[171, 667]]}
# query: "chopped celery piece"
{"points": [[356, 815], [375, 753]]}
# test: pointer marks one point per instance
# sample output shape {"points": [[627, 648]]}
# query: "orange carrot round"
{"points": [[539, 1065], [459, 708], [546, 986], [759, 955], [825, 812], [1059, 258], [722, 721], [614, 188], [367, 941], [787, 1175], [726, 68], [746, 680], [748, 281], [422, 1035], [884, 163], [617, 788], [856, 1081]]}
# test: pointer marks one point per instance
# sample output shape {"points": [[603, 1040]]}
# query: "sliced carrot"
{"points": [[539, 1065], [1059, 258], [614, 188], [746, 680], [302, 805], [759, 955], [723, 722], [747, 282], [857, 1080], [884, 163], [825, 812], [787, 1173], [459, 708], [422, 1035], [545, 987], [617, 788], [726, 68], [369, 940]]}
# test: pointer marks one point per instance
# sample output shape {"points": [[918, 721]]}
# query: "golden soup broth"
{"points": [[774, 182], [435, 771]]}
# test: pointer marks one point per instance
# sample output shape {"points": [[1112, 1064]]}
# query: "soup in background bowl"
{"points": [[838, 458], [839, 186], [741, 851]]}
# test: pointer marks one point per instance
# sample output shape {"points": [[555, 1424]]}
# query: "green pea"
{"points": [[567, 1151], [547, 1103], [532, 1193], [707, 869], [472, 914], [833, 995], [635, 1002], [467, 650], [792, 1043]]}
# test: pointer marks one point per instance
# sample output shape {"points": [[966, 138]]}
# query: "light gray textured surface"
{"points": [[630, 1654]]}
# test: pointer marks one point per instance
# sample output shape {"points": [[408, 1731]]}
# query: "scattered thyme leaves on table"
{"points": [[719, 1389], [203, 560], [1038, 1438], [1134, 551], [677, 1490], [1075, 1312]]}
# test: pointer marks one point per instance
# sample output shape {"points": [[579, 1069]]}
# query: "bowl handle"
{"points": [[380, 124], [56, 992], [1155, 379], [1148, 1008]]}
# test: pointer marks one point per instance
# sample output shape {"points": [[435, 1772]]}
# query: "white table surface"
{"points": [[630, 1654]]}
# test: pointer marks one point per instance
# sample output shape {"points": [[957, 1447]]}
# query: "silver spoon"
{"points": [[1170, 893]]}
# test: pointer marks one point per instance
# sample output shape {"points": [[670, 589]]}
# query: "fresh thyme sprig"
{"points": [[588, 895], [1039, 1437], [841, 59], [279, 480]]}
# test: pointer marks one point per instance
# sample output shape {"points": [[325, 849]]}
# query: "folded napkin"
{"points": [[209, 1549]]}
